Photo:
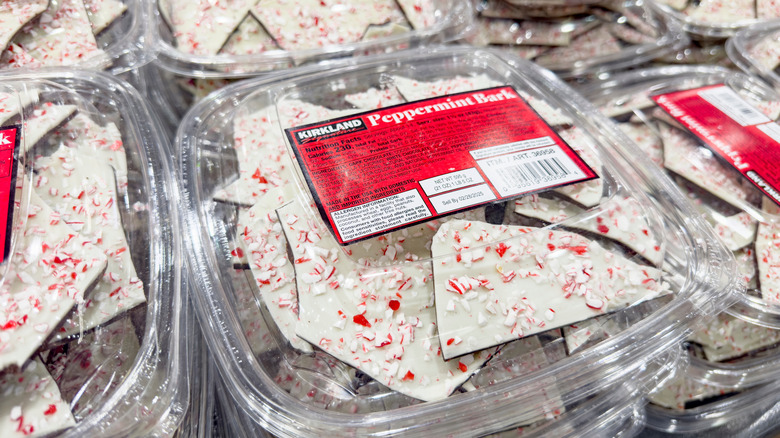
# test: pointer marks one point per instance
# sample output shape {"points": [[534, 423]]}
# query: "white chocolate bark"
{"points": [[420, 13], [683, 156], [31, 404], [45, 119], [11, 104], [767, 9], [726, 337], [746, 265], [266, 249], [496, 283], [620, 219], [719, 11], [680, 390], [413, 90], [63, 35], [250, 314], [102, 13], [105, 355], [379, 320], [83, 191], [646, 139], [768, 256], [249, 38], [201, 27], [305, 24], [17, 57], [51, 269], [375, 98], [14, 14]]}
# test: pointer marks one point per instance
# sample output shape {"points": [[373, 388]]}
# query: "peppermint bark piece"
{"points": [[680, 390], [83, 191], [88, 370], [726, 337], [420, 13], [496, 283], [201, 27], [14, 14], [51, 270], [266, 249], [249, 38], [64, 38], [767, 9], [683, 156], [746, 265], [622, 220], [306, 24], [102, 13], [413, 90], [12, 104], [44, 120], [31, 404], [16, 57], [379, 320], [647, 140], [263, 160], [375, 98], [719, 11]]}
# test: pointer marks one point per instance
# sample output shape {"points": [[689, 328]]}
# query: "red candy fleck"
{"points": [[238, 252], [501, 249], [408, 376], [360, 319], [51, 410], [463, 367], [603, 229], [450, 341], [579, 250], [394, 304], [551, 247]]}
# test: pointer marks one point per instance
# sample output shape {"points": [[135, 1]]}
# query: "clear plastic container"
{"points": [[756, 50], [107, 35], [578, 39], [260, 365], [110, 351], [345, 30], [716, 19], [625, 97], [729, 416]]}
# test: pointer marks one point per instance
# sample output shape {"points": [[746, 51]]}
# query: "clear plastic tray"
{"points": [[250, 347], [442, 20], [756, 49], [118, 31], [594, 38], [712, 22], [623, 95], [119, 360]]}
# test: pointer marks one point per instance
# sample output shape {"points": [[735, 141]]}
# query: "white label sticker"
{"points": [[528, 171], [731, 104], [462, 198], [508, 148], [451, 181], [380, 215]]}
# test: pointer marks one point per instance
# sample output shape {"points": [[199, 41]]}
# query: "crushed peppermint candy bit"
{"points": [[550, 270]]}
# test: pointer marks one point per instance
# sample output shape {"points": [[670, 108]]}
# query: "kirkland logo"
{"points": [[331, 130]]}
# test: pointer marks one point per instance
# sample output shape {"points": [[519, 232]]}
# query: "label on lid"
{"points": [[385, 169], [732, 128], [10, 137]]}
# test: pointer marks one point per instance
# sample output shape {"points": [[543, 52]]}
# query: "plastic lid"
{"points": [[371, 300], [577, 39], [756, 50], [716, 18], [743, 217], [93, 304], [246, 37]]}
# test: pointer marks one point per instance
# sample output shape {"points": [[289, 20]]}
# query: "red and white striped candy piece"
{"points": [[102, 13], [377, 319], [14, 14], [82, 189], [51, 270], [265, 247], [621, 219], [496, 283], [31, 404]]}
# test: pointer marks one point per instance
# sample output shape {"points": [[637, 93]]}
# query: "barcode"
{"points": [[731, 104], [550, 169], [528, 171]]}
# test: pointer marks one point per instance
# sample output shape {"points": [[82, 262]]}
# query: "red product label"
{"points": [[9, 149], [385, 169], [737, 132]]}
